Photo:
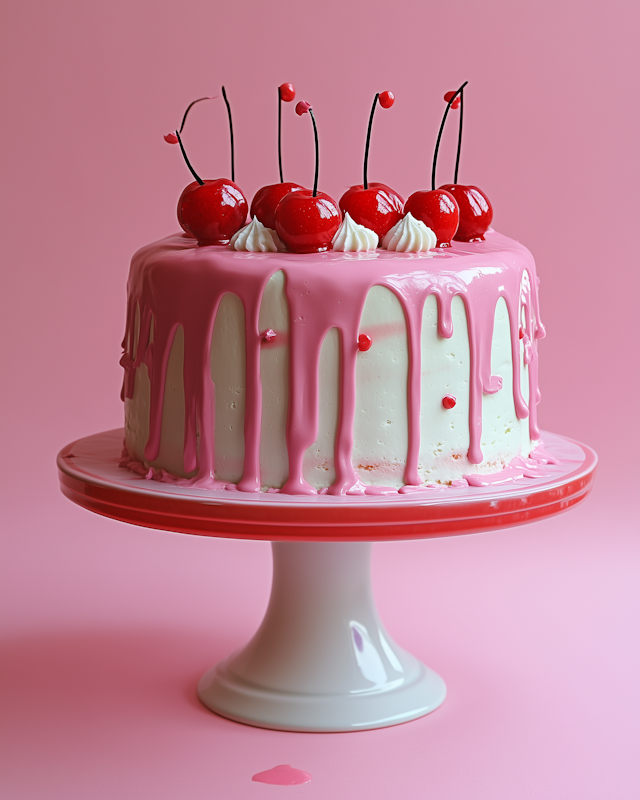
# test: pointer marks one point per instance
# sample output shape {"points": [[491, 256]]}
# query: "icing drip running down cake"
{"points": [[381, 362]]}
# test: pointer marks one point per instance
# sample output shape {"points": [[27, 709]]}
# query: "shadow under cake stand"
{"points": [[321, 659]]}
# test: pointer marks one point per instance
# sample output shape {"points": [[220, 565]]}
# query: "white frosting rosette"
{"points": [[410, 235], [354, 238], [255, 238]]}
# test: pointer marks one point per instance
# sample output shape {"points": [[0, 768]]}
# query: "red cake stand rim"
{"points": [[90, 477]]}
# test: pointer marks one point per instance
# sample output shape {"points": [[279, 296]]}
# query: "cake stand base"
{"points": [[321, 660]]}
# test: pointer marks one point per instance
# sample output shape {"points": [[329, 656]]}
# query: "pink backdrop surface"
{"points": [[106, 627]]}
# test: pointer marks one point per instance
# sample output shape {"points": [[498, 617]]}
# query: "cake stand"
{"points": [[321, 659]]}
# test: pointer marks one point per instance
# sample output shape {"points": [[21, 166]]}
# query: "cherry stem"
{"points": [[279, 133], [233, 168], [189, 107], [444, 118], [315, 134], [188, 163], [455, 174], [366, 148]]}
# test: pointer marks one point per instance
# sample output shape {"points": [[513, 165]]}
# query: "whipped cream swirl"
{"points": [[255, 238], [410, 235], [354, 238]]}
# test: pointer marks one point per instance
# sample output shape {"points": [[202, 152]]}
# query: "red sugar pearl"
{"points": [[364, 342], [287, 92], [171, 138], [448, 97], [448, 401], [386, 99]]}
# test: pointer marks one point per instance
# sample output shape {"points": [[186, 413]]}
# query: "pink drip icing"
{"points": [[174, 283], [283, 775]]}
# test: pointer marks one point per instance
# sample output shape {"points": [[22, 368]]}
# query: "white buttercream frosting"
{"points": [[255, 238], [410, 235], [354, 238]]}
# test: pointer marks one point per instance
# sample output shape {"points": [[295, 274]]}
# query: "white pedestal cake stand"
{"points": [[321, 659]]}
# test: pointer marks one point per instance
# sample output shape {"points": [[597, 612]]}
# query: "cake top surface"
{"points": [[460, 256]]}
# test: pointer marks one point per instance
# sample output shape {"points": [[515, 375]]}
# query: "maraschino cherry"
{"points": [[263, 205], [438, 208], [306, 221], [211, 210], [373, 205], [476, 212]]}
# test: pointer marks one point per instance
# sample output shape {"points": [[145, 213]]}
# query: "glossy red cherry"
{"points": [[476, 212], [378, 207], [263, 205], [287, 92], [438, 210], [213, 211], [448, 401], [306, 223], [387, 99]]}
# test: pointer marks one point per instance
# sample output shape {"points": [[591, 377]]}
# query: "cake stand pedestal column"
{"points": [[321, 659]]}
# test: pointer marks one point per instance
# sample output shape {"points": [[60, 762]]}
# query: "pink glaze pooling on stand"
{"points": [[519, 467], [283, 775], [175, 283]]}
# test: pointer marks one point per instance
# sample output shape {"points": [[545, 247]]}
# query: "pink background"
{"points": [[107, 627]]}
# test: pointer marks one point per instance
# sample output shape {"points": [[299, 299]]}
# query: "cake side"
{"points": [[210, 398]]}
